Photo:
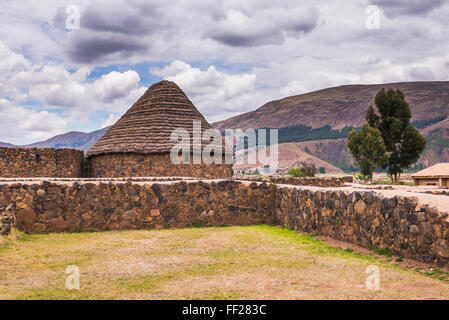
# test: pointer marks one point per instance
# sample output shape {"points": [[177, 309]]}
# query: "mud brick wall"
{"points": [[369, 220], [40, 162], [96, 207], [153, 165]]}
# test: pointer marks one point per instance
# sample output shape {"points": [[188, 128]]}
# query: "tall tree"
{"points": [[372, 118], [403, 142], [368, 149]]}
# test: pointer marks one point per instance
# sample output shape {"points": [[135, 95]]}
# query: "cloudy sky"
{"points": [[228, 56]]}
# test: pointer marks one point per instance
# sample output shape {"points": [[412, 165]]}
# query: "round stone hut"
{"points": [[139, 143]]}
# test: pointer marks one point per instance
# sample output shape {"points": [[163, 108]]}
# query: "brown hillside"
{"points": [[342, 106], [437, 147], [444, 124], [290, 155], [5, 144], [332, 151]]}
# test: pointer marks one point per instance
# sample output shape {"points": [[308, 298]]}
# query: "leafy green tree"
{"points": [[307, 170], [368, 149], [403, 142], [372, 118], [296, 172]]}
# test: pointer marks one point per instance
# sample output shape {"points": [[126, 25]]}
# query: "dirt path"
{"points": [[255, 262]]}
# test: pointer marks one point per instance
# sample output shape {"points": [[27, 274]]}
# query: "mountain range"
{"points": [[341, 107], [72, 139], [313, 126], [318, 122]]}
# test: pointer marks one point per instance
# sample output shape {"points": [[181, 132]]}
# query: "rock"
{"points": [[441, 247], [397, 213], [129, 215], [422, 216], [26, 217], [404, 226], [86, 216], [21, 205], [60, 224], [438, 231], [360, 207], [368, 197], [420, 207], [77, 185], [426, 227], [39, 228], [414, 229], [253, 185], [155, 212], [40, 192]]}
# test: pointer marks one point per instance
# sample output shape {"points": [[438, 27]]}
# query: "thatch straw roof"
{"points": [[435, 171], [146, 127]]}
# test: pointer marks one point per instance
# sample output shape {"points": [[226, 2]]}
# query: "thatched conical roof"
{"points": [[146, 127]]}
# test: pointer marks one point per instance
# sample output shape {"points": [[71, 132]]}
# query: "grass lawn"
{"points": [[255, 262]]}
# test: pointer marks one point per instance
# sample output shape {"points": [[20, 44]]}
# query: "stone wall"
{"points": [[369, 220], [362, 218], [306, 181], [7, 221], [156, 165], [95, 207], [40, 162]]}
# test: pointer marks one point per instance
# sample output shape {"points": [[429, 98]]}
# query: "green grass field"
{"points": [[255, 262]]}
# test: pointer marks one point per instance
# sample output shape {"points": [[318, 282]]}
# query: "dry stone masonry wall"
{"points": [[155, 164], [369, 220], [306, 181], [363, 218], [7, 221], [40, 162], [54, 207]]}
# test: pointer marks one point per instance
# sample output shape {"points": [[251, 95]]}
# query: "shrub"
{"points": [[296, 172], [385, 252]]}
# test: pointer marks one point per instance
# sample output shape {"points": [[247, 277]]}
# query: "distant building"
{"points": [[436, 175], [267, 170], [139, 143]]}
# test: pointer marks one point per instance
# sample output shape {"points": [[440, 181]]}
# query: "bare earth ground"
{"points": [[255, 262]]}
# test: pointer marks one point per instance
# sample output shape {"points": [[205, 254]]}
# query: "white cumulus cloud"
{"points": [[38, 101], [115, 85], [11, 62], [213, 92]]}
